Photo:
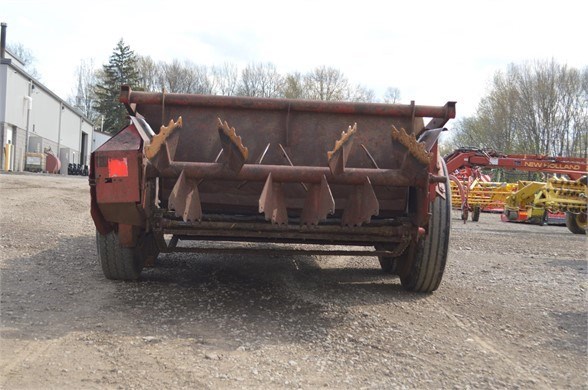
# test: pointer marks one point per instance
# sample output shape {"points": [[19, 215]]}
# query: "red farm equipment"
{"points": [[529, 201], [239, 169]]}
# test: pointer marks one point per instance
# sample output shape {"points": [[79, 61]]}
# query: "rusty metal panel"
{"points": [[127, 213], [125, 140], [305, 137], [118, 185], [373, 172], [214, 102], [126, 235], [117, 168]]}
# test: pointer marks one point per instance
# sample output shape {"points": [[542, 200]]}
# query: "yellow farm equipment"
{"points": [[481, 196], [534, 200], [531, 201]]}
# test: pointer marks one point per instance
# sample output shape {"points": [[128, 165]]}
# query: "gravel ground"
{"points": [[511, 311]]}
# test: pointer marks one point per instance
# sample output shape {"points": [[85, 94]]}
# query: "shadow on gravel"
{"points": [[577, 265], [575, 324], [529, 229], [228, 301]]}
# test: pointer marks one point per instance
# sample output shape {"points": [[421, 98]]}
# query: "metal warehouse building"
{"points": [[35, 120]]}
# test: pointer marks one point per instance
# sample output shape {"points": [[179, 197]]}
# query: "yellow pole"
{"points": [[7, 155]]}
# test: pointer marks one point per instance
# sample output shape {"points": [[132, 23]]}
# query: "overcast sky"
{"points": [[433, 51]]}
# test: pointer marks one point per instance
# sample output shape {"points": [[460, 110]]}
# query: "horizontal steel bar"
{"points": [[169, 217], [239, 102], [265, 227], [322, 239], [299, 174], [267, 232], [284, 251]]}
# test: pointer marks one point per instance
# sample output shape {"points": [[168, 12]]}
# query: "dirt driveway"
{"points": [[510, 312]]}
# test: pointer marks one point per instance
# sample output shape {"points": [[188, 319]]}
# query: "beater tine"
{"points": [[185, 199], [338, 156], [318, 203], [159, 139], [415, 148], [272, 202], [233, 147], [361, 205]]}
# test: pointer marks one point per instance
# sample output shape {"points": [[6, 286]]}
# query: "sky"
{"points": [[432, 51]]}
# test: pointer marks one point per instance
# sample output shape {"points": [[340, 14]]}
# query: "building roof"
{"points": [[36, 83]]}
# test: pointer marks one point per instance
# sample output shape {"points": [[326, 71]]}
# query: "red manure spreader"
{"points": [[191, 169]]}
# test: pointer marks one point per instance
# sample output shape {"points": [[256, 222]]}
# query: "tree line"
{"points": [[98, 89], [537, 107]]}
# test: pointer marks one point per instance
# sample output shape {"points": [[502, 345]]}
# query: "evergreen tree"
{"points": [[122, 68]]}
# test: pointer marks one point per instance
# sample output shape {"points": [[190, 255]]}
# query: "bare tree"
{"points": [[294, 86], [539, 108], [361, 94], [177, 78], [573, 106], [25, 56], [261, 80], [496, 120], [325, 83], [226, 79], [203, 81], [151, 77], [392, 95], [84, 97], [579, 143]]}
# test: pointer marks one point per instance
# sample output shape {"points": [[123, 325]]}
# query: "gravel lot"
{"points": [[511, 311]]}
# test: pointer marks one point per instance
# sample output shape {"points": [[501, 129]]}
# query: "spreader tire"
{"points": [[576, 223], [118, 262], [430, 253], [476, 214], [388, 264]]}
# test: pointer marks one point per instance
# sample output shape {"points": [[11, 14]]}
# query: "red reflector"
{"points": [[118, 167]]}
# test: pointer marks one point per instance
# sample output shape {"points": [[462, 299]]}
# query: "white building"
{"points": [[99, 138], [34, 119]]}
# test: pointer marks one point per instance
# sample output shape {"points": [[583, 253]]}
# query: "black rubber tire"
{"points": [[544, 219], [149, 249], [476, 214], [574, 225], [430, 254], [118, 262], [389, 264]]}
